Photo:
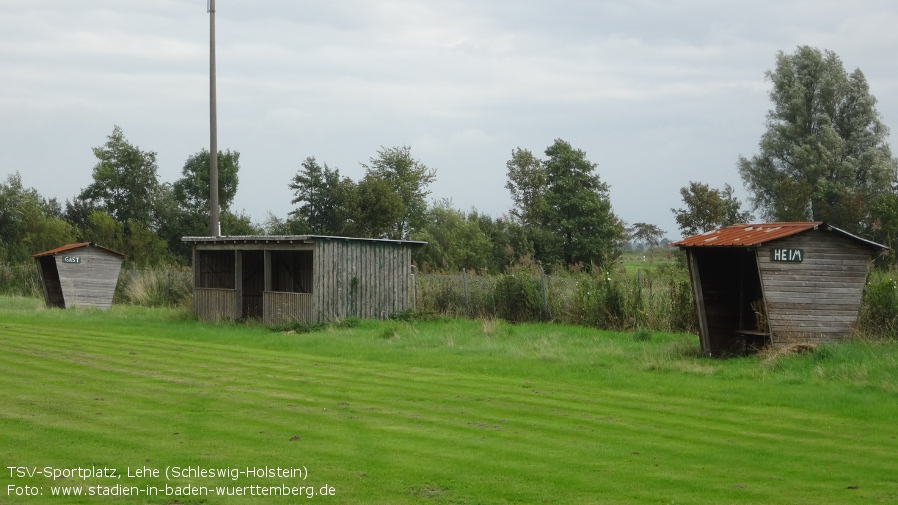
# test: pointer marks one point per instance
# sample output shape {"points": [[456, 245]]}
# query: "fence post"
{"points": [[542, 272], [464, 278], [414, 289]]}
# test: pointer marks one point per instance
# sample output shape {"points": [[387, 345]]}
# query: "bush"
{"points": [[879, 310], [164, 287], [21, 279], [519, 297]]}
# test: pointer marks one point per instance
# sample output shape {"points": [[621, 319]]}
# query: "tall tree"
{"points": [[192, 190], [409, 178], [527, 180], [321, 196], [373, 208], [824, 155], [125, 181], [708, 208], [28, 222], [579, 207], [645, 233]]}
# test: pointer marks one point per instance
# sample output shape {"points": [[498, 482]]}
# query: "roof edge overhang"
{"points": [[73, 247], [291, 239], [758, 234]]}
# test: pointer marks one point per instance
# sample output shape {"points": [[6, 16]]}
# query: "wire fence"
{"points": [[657, 299]]}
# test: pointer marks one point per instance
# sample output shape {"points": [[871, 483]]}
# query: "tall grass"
{"points": [[20, 280], [658, 298], [171, 287], [879, 310]]}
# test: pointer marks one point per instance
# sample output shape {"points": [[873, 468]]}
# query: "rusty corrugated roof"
{"points": [[745, 235], [71, 247]]}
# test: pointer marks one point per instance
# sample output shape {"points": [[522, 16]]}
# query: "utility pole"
{"points": [[214, 217]]}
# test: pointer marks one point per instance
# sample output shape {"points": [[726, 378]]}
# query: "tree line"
{"points": [[824, 156]]}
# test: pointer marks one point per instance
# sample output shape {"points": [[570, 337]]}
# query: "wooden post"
{"points": [[414, 288], [238, 282], [542, 272], [267, 268], [703, 329], [464, 278]]}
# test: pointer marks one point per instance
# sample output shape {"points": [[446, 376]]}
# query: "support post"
{"points": [[214, 217]]}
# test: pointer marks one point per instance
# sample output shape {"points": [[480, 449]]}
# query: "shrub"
{"points": [[20, 279], [519, 297], [879, 310], [163, 287]]}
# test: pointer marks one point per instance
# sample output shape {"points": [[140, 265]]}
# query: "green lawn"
{"points": [[436, 412]]}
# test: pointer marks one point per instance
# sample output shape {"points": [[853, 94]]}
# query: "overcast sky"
{"points": [[657, 93]]}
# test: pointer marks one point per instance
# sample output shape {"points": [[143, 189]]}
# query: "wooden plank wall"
{"points": [[90, 283], [215, 304], [817, 299], [369, 280], [281, 307]]}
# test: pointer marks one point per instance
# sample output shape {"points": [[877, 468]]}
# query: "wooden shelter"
{"points": [[308, 278], [776, 283], [83, 275]]}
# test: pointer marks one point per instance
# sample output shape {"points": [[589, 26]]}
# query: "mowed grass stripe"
{"points": [[435, 424], [643, 401]]}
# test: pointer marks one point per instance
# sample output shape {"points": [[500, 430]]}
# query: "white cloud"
{"points": [[657, 92]]}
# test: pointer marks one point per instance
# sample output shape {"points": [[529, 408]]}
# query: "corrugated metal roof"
{"points": [[746, 235], [288, 239], [71, 247]]}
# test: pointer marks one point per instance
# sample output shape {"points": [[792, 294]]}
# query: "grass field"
{"points": [[432, 412]]}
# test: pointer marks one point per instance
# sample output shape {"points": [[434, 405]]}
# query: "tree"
{"points": [[578, 208], [28, 222], [564, 206], [373, 208], [708, 209], [645, 233], [322, 196], [191, 191], [824, 155], [454, 241], [527, 180], [409, 178], [125, 182]]}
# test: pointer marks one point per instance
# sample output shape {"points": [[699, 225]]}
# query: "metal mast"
{"points": [[214, 217]]}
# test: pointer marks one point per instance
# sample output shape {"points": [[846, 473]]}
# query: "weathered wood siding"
{"points": [[92, 281], [281, 307], [818, 298], [369, 280], [215, 304]]}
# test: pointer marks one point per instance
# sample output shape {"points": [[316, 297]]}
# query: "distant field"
{"points": [[433, 412], [633, 261]]}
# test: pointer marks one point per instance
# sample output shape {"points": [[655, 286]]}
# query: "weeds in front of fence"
{"points": [[879, 309], [658, 299], [20, 280]]}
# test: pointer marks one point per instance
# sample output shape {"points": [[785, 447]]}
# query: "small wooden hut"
{"points": [[83, 275], [776, 283], [308, 278]]}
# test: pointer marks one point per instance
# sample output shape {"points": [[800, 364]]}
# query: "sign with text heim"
{"points": [[787, 255]]}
